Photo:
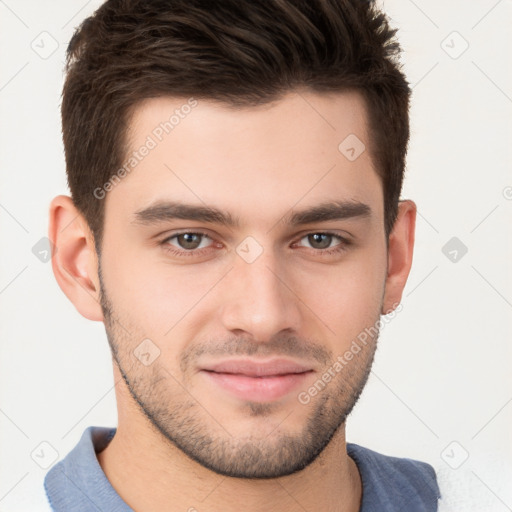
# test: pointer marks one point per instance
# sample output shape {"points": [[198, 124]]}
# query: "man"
{"points": [[235, 172]]}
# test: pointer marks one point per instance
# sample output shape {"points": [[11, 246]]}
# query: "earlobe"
{"points": [[74, 262], [400, 252]]}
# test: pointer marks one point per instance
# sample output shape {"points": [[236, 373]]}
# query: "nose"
{"points": [[259, 298]]}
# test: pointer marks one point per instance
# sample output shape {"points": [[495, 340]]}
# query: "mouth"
{"points": [[257, 380]]}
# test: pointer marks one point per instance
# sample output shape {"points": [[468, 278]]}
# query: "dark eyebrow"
{"points": [[169, 210], [332, 210]]}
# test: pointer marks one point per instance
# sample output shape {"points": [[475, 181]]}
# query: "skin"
{"points": [[260, 164]]}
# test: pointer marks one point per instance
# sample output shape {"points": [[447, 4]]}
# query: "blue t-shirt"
{"points": [[390, 484]]}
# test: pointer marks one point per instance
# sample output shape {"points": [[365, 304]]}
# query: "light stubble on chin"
{"points": [[184, 422]]}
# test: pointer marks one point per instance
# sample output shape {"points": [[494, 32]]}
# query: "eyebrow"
{"points": [[163, 211]]}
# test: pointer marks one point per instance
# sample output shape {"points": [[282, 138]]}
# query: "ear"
{"points": [[74, 262], [400, 250]]}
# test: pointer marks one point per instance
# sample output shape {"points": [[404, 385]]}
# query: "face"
{"points": [[243, 254]]}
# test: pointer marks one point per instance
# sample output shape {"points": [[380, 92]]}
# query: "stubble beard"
{"points": [[181, 419]]}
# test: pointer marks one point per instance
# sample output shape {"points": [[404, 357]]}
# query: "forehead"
{"points": [[254, 162]]}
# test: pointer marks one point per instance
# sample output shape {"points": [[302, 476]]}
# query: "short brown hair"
{"points": [[240, 52]]}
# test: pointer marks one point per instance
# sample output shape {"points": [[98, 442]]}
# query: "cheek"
{"points": [[155, 300], [347, 297]]}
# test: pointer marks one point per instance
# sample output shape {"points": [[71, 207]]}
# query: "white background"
{"points": [[442, 370]]}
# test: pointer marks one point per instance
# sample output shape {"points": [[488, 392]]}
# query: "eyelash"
{"points": [[339, 248]]}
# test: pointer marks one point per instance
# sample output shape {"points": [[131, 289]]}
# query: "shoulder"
{"points": [[394, 483]]}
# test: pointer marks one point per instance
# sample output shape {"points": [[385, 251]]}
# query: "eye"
{"points": [[189, 243], [321, 242]]}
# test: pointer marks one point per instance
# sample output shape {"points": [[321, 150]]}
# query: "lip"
{"points": [[260, 381], [254, 368]]}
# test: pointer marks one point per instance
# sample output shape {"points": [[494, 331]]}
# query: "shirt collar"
{"points": [[78, 482]]}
